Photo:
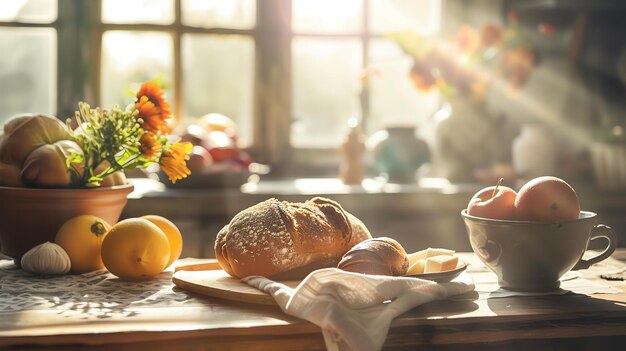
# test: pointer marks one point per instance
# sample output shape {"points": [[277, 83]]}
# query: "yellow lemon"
{"points": [[135, 249], [81, 237], [172, 233]]}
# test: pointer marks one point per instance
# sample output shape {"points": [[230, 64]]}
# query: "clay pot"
{"points": [[31, 216]]}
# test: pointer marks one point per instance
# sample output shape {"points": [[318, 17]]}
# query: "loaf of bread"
{"points": [[381, 256], [283, 240]]}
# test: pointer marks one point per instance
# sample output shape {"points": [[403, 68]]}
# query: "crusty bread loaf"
{"points": [[284, 240], [382, 256]]}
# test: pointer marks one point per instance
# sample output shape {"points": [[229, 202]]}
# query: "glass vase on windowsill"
{"points": [[466, 138], [398, 153]]}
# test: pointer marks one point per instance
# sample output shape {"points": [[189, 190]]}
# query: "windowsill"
{"points": [[430, 195], [371, 198]]}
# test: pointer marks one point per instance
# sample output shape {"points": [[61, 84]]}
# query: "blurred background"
{"points": [[366, 96]]}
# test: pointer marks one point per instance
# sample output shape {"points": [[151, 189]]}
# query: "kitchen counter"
{"points": [[97, 311]]}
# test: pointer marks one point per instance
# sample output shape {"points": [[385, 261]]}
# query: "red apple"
{"points": [[221, 146], [547, 199], [496, 202], [194, 134], [220, 154], [244, 159], [199, 159]]}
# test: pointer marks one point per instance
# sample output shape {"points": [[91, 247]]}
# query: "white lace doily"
{"points": [[95, 294]]}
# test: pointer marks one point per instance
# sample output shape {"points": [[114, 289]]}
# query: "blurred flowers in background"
{"points": [[466, 64]]}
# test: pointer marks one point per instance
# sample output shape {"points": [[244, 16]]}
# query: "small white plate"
{"points": [[441, 277]]}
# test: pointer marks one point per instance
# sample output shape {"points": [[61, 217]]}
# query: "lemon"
{"points": [[172, 233], [81, 237], [135, 249]]}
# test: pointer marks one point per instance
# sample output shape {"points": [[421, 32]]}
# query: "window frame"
{"points": [[60, 34], [80, 31], [272, 93], [267, 42], [325, 159]]}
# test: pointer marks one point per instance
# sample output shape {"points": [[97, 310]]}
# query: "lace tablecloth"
{"points": [[96, 294]]}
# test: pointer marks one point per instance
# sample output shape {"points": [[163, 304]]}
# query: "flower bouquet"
{"points": [[463, 69], [466, 64], [115, 140]]}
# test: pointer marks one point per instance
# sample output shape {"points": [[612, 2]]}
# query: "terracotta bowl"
{"points": [[31, 216], [533, 256]]}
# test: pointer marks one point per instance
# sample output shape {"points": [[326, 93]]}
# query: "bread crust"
{"points": [[285, 240]]}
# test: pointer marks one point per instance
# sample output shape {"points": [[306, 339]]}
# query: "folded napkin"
{"points": [[355, 310]]}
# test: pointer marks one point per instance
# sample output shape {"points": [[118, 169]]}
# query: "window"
{"points": [[290, 73], [202, 50], [28, 75], [344, 67]]}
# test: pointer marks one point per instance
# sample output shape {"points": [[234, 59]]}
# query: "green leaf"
{"points": [[74, 158]]}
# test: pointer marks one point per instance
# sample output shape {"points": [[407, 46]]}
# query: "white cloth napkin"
{"points": [[355, 310]]}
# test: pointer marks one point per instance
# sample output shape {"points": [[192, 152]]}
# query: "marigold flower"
{"points": [[517, 65], [491, 35], [467, 40], [173, 161], [421, 76], [149, 145], [152, 108]]}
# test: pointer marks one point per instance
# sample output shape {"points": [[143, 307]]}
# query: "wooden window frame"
{"points": [[79, 42], [270, 72], [61, 35]]}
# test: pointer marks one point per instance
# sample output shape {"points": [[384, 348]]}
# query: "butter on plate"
{"points": [[440, 264], [426, 253], [432, 260]]}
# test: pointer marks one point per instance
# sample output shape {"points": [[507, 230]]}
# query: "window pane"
{"points": [[324, 16], [218, 74], [138, 11], [27, 71], [35, 11], [424, 16], [393, 98], [326, 89], [239, 14], [130, 58]]}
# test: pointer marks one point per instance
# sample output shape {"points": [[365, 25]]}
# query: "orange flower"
{"points": [[173, 161], [421, 76], [517, 65], [152, 107], [479, 87], [467, 40], [512, 17], [149, 145], [490, 35]]}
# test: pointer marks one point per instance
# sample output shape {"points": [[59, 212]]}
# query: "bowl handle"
{"points": [[599, 231]]}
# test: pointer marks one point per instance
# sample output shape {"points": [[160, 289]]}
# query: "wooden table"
{"points": [[103, 313]]}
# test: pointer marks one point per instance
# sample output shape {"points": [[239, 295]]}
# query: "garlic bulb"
{"points": [[46, 258]]}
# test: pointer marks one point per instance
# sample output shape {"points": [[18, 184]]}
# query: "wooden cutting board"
{"points": [[209, 279], [205, 277]]}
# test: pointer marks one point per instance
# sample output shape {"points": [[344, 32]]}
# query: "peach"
{"points": [[496, 202], [547, 199]]}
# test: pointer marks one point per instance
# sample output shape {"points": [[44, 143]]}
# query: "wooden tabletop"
{"points": [[103, 313]]}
